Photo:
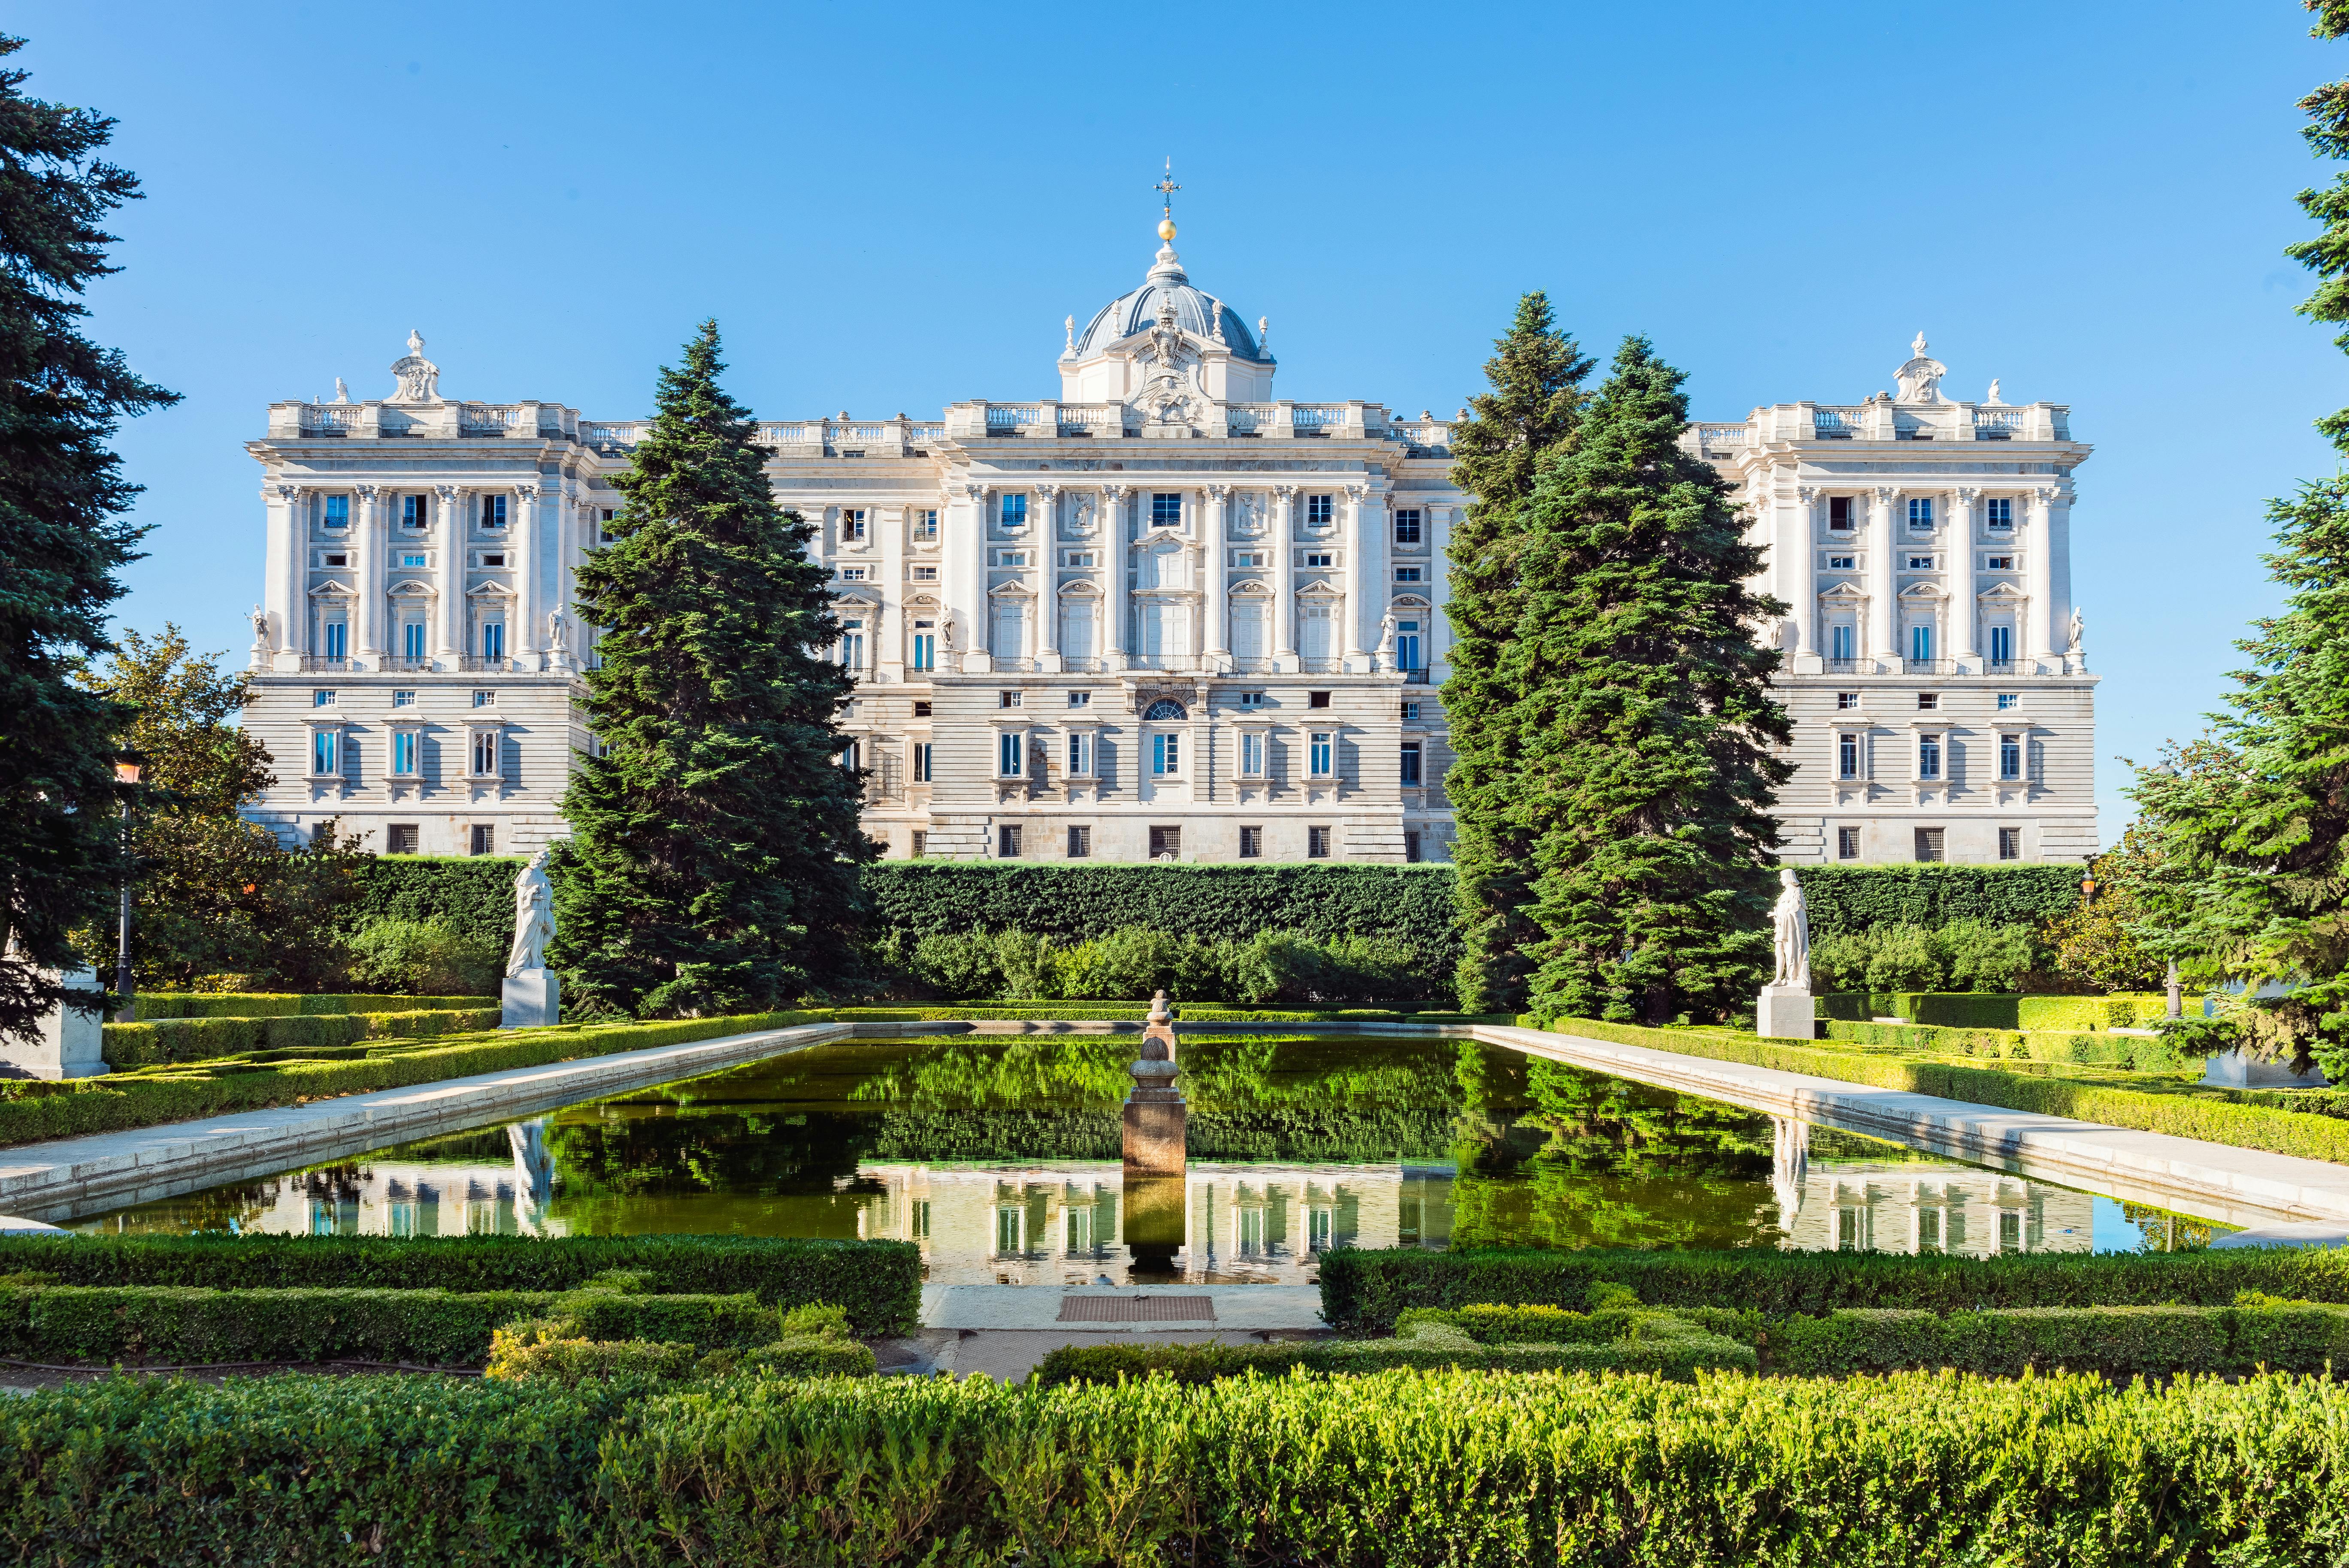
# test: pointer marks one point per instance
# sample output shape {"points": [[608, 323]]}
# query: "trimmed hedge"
{"points": [[1998, 1009], [1365, 1289], [1652, 1342], [1854, 898], [879, 1283], [196, 1039], [180, 1323], [473, 893], [161, 1004], [34, 1109], [2118, 1341], [2181, 1111], [2101, 1047], [1406, 1470]]}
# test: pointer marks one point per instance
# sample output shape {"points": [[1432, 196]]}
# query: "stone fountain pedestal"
{"points": [[1785, 1013], [1156, 1121]]}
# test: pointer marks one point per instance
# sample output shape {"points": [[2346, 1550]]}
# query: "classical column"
{"points": [[1883, 626], [528, 602], [1794, 566], [1357, 601], [288, 575], [1958, 574], [1284, 578], [2046, 632], [449, 633], [890, 648], [1439, 594], [1048, 561], [1218, 583], [367, 534], [1114, 562], [963, 560]]}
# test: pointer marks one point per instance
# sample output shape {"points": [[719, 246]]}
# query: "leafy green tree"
{"points": [[2096, 943], [2253, 829], [1536, 374], [1645, 725], [714, 864], [63, 539]]}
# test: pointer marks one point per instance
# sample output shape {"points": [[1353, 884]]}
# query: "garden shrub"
{"points": [[570, 1361], [2209, 1117], [876, 1284], [161, 1004], [424, 956], [2118, 1341], [1844, 899], [1404, 1470], [1962, 955], [1367, 1289], [1269, 968]]}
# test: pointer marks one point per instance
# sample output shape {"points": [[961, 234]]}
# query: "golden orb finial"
{"points": [[1166, 229]]}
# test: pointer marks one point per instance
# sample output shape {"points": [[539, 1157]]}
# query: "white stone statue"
{"points": [[1791, 930], [1921, 378], [2073, 632], [1993, 400], [946, 631], [533, 916], [558, 633], [260, 630], [419, 378], [1789, 637], [342, 392], [1386, 632]]}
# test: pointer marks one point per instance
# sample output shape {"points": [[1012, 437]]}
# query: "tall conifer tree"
{"points": [[1531, 409], [2253, 825], [62, 539], [1645, 724], [714, 866]]}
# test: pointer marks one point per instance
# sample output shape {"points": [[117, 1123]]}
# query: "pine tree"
{"points": [[62, 541], [714, 865], [1535, 375], [2254, 829], [1646, 723]]}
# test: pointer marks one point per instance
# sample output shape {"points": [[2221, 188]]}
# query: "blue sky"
{"points": [[890, 207]]}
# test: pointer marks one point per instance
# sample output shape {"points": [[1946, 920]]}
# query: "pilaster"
{"points": [[1115, 552], [449, 607], [1217, 586], [1284, 579], [1883, 543], [369, 575]]}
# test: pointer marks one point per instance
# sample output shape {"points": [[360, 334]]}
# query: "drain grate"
{"points": [[1137, 1308]]}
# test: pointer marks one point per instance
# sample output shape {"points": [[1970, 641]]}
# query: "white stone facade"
{"points": [[1164, 616], [1942, 704]]}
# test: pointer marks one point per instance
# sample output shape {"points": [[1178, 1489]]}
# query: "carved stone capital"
{"points": [[1887, 494], [1219, 492], [1808, 493], [1115, 492], [527, 493], [365, 493], [1965, 495], [450, 494], [1048, 492], [290, 492]]}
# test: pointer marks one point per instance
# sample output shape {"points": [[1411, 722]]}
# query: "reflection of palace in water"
{"points": [[1855, 1206]]}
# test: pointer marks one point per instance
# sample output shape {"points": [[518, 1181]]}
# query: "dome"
{"points": [[1195, 312]]}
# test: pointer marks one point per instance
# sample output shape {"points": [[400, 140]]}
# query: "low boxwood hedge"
{"points": [[1368, 1289], [2118, 1341], [2085, 1048], [1998, 1009], [175, 1325], [879, 1283], [155, 1004], [2179, 1111], [34, 1107], [196, 1039]]}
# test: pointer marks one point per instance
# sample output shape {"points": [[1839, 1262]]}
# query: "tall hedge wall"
{"points": [[1408, 903]]}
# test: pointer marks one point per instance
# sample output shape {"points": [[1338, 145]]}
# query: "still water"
{"points": [[999, 1157]]}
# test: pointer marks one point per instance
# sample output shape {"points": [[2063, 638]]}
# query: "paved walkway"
{"points": [[66, 1177], [2210, 1181]]}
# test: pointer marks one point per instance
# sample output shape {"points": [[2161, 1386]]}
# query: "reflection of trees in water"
{"points": [[1600, 1161], [712, 1151], [2167, 1233]]}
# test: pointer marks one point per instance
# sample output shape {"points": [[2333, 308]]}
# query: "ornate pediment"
{"points": [[1186, 693]]}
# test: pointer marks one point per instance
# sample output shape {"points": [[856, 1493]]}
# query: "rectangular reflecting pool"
{"points": [[999, 1157]]}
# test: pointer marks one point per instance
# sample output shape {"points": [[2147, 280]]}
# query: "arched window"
{"points": [[1164, 709]]}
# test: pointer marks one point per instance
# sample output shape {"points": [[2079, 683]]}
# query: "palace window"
{"points": [[1006, 841], [926, 526], [1251, 843], [852, 644], [1321, 558], [2001, 644], [403, 699], [1839, 512], [1011, 558], [1846, 843], [852, 525], [1320, 510], [1843, 563], [338, 511], [921, 846], [1166, 508], [2009, 843], [1999, 562], [485, 699], [412, 560], [1846, 699], [322, 699], [493, 512], [1407, 526], [1928, 701], [326, 752], [339, 639], [922, 761], [1316, 699], [1080, 754], [484, 838], [1165, 756], [1251, 699], [1920, 511], [485, 753], [1251, 755], [1322, 754], [2008, 700], [493, 637], [1013, 511], [925, 645], [1316, 843], [1920, 563], [852, 757], [1928, 757], [415, 511], [1406, 573], [400, 839], [1847, 755], [1410, 712], [1920, 644], [924, 574], [1081, 842], [1007, 699], [1998, 511], [852, 574], [1411, 764], [1079, 558], [1928, 845], [403, 753], [1411, 845], [2009, 756], [494, 558], [921, 708], [1081, 699], [1843, 644], [336, 558], [1010, 750], [1165, 843]]}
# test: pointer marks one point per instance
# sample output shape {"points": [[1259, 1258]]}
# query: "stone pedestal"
{"points": [[72, 1043], [1785, 1013], [1153, 1221], [2236, 1070], [534, 999], [1155, 1132]]}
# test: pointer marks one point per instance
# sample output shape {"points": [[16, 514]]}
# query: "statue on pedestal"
{"points": [[1785, 1009], [1155, 1136], [534, 996]]}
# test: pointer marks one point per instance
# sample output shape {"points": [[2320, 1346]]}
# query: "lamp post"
{"points": [[124, 985]]}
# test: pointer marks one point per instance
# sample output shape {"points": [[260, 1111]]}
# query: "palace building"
{"points": [[1166, 616]]}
